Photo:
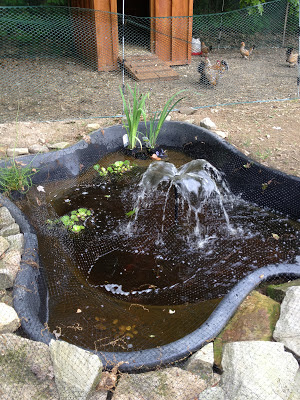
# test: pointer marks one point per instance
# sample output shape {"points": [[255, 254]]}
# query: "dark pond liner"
{"points": [[258, 184]]}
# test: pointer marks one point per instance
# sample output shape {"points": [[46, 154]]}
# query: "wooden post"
{"points": [[106, 22], [171, 30], [96, 32]]}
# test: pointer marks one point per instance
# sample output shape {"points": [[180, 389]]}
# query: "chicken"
{"points": [[244, 52], [292, 57], [209, 74], [205, 49]]}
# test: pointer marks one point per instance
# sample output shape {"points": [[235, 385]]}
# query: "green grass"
{"points": [[16, 177]]}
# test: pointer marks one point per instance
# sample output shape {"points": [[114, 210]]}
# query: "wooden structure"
{"points": [[97, 28], [171, 38], [148, 68], [171, 30]]}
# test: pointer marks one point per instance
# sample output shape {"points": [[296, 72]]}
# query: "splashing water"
{"points": [[197, 184]]}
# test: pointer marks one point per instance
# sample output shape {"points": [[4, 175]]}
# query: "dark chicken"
{"points": [[210, 74]]}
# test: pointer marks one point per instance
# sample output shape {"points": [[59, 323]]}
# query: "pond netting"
{"points": [[142, 261], [159, 248], [60, 63], [139, 263]]}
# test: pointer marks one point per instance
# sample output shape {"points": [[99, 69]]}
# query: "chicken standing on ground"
{"points": [[205, 49], [244, 52], [292, 57], [210, 74]]}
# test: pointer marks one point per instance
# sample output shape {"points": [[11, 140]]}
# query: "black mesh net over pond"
{"points": [[162, 244], [145, 267]]}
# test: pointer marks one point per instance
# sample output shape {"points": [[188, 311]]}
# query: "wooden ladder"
{"points": [[148, 67]]}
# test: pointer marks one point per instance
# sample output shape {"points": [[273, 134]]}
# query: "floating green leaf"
{"points": [[131, 213]]}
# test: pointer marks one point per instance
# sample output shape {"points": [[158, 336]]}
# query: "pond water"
{"points": [[149, 266]]}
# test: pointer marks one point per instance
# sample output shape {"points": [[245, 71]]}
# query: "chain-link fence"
{"points": [[59, 63]]}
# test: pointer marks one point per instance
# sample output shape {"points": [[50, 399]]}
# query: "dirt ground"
{"points": [[53, 90], [266, 132]]}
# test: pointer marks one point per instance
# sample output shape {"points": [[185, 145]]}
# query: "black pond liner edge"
{"points": [[282, 194]]}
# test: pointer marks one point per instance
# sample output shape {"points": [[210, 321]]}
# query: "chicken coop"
{"points": [[170, 33]]}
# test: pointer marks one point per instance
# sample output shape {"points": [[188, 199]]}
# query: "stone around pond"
{"points": [[167, 384], [25, 369], [287, 330], [254, 319], [277, 292]]}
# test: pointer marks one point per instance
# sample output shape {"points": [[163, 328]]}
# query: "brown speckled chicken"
{"points": [[244, 52], [210, 74], [291, 57]]}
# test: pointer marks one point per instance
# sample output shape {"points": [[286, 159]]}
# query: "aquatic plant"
{"points": [[133, 113], [118, 168], [73, 222], [157, 120]]}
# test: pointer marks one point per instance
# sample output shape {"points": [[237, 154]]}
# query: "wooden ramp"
{"points": [[148, 67]]}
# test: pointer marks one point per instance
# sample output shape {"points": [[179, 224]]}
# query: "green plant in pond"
{"points": [[74, 221], [131, 213], [158, 119], [117, 168], [15, 176], [133, 113]]}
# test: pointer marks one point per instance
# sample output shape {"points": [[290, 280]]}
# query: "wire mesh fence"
{"points": [[59, 63]]}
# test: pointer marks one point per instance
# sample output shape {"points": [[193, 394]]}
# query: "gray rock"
{"points": [[6, 297], [16, 242], [186, 110], [287, 329], [189, 121], [257, 370], [207, 123], [9, 267], [12, 229], [9, 320], [278, 292], [222, 134], [38, 148], [166, 384], [5, 217], [214, 393], [4, 245], [76, 371], [92, 127], [58, 146], [99, 395], [202, 360], [26, 371], [18, 151], [295, 395]]}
